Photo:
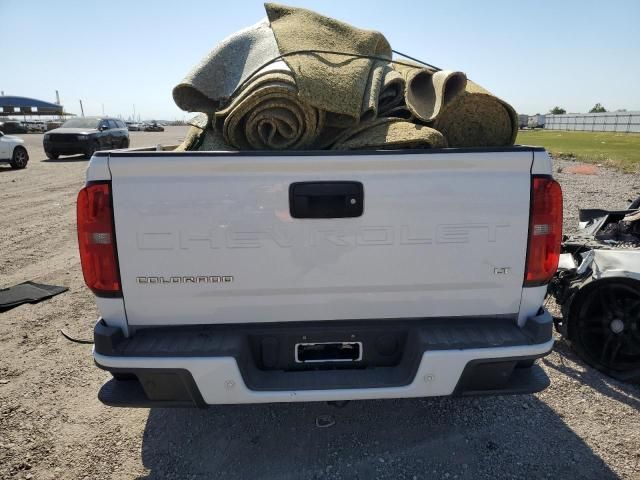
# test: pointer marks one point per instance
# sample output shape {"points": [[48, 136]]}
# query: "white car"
{"points": [[36, 127], [12, 151]]}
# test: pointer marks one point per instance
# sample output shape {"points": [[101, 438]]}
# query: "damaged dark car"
{"points": [[598, 289]]}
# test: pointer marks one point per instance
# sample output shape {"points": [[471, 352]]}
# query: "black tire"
{"points": [[604, 326], [52, 156], [19, 159], [125, 143], [95, 146]]}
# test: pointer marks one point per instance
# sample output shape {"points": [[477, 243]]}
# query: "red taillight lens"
{"points": [[545, 231], [97, 240]]}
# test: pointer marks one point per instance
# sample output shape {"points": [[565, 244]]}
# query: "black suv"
{"points": [[11, 126], [86, 135]]}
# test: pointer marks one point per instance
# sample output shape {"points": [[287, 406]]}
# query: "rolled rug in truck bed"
{"points": [[371, 98], [391, 95], [476, 118], [427, 91], [341, 85], [268, 114], [201, 136], [465, 113], [389, 134], [275, 86], [210, 84]]}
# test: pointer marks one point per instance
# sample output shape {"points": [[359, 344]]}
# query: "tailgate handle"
{"points": [[326, 199]]}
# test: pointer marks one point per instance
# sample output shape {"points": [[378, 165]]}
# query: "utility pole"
{"points": [[81, 109]]}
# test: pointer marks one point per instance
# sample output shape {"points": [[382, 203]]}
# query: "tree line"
{"points": [[597, 108]]}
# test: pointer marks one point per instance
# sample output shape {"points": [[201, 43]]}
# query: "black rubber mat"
{"points": [[27, 292]]}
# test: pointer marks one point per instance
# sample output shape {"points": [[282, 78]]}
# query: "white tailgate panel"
{"points": [[441, 235]]}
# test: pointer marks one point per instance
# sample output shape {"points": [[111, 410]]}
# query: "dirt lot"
{"points": [[53, 427]]}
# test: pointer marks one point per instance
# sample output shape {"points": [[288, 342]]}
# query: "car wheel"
{"points": [[20, 158], [92, 149], [125, 143], [52, 156], [604, 326]]}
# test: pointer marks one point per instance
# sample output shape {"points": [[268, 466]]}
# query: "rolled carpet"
{"points": [[427, 92], [389, 134], [476, 118], [392, 91], [203, 137], [268, 114], [399, 112], [191, 140], [194, 135], [335, 83], [203, 140], [371, 98], [211, 83]]}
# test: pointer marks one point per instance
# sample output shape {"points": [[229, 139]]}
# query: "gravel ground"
{"points": [[52, 426]]}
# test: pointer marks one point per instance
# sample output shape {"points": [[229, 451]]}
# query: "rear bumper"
{"points": [[212, 365]]}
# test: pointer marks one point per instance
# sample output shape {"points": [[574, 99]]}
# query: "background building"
{"points": [[23, 106]]}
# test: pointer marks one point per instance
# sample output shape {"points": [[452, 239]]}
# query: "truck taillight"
{"points": [[97, 240], [545, 231]]}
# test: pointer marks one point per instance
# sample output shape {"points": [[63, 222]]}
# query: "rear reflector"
{"points": [[96, 240], [545, 231]]}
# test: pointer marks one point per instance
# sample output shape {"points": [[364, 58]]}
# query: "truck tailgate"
{"points": [[209, 238]]}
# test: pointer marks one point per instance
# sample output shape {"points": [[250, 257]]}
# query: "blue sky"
{"points": [[534, 54]]}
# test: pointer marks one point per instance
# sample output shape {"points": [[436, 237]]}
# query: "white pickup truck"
{"points": [[242, 277]]}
